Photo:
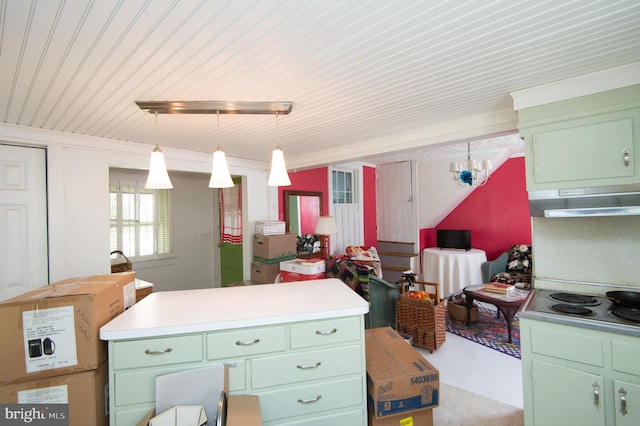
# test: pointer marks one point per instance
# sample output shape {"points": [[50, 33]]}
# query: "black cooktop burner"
{"points": [[580, 299], [628, 314], [566, 308]]}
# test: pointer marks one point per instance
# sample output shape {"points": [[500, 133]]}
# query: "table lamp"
{"points": [[326, 226]]}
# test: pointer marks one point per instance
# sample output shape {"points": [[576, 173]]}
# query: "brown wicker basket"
{"points": [[125, 266], [424, 320], [459, 312]]}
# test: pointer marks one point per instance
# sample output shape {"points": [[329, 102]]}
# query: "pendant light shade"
{"points": [[158, 177], [278, 175], [220, 176]]}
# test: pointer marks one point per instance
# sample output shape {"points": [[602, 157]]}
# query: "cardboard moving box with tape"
{"points": [[55, 330], [399, 379]]}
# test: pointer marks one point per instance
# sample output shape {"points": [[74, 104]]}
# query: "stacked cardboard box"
{"points": [[268, 252], [302, 270], [271, 227], [401, 383], [52, 347]]}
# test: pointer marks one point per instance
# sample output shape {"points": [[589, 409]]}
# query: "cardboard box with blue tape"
{"points": [[399, 378]]}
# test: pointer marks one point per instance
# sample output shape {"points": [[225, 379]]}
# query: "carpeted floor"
{"points": [[489, 331], [459, 407]]}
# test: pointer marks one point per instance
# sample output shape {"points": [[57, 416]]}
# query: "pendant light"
{"points": [[158, 177], [278, 175], [220, 177]]}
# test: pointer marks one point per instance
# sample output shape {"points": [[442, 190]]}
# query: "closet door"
{"points": [[23, 220]]}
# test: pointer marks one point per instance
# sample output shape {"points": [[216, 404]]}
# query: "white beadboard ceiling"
{"points": [[376, 80]]}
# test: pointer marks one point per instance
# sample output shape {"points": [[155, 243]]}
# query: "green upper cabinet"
{"points": [[583, 142]]}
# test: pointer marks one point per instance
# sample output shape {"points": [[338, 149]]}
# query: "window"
{"points": [[140, 219], [342, 187]]}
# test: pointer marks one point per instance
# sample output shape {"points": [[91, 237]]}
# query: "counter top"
{"points": [[191, 311]]}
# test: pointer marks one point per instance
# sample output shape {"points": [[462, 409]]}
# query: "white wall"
{"points": [[78, 178]]}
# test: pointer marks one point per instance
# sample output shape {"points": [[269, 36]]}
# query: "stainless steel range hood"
{"points": [[622, 200]]}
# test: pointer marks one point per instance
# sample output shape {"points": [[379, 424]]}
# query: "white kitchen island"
{"points": [[299, 346]]}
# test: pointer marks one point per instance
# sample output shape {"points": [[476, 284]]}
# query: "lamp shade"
{"points": [[326, 226], [278, 175], [158, 177], [220, 177]]}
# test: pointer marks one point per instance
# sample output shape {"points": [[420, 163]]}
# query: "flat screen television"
{"points": [[453, 238]]}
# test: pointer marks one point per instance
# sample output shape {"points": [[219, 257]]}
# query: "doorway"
{"points": [[230, 233]]}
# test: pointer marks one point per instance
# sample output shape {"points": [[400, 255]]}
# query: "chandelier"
{"points": [[476, 173]]}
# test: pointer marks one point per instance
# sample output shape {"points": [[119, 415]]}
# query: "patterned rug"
{"points": [[489, 331]]}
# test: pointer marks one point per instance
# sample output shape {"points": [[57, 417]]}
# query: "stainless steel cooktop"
{"points": [[577, 308]]}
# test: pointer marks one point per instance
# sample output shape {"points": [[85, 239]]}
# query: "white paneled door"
{"points": [[394, 193], [23, 220]]}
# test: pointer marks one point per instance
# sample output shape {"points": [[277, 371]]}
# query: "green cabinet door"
{"points": [[566, 396], [627, 396]]}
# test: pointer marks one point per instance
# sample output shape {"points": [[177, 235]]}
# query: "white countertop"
{"points": [[191, 311]]}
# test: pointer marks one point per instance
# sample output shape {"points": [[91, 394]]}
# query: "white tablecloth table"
{"points": [[453, 269]]}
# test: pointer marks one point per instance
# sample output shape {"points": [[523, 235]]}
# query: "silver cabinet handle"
{"points": [[152, 352], [596, 395], [326, 333], [309, 401], [625, 158], [309, 366], [247, 343], [623, 401]]}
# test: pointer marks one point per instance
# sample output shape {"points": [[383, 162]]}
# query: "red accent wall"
{"points": [[317, 180], [370, 206], [306, 180], [309, 214], [497, 214]]}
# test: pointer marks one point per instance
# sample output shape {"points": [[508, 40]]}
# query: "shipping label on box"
{"points": [[302, 266], [399, 378], [49, 337]]}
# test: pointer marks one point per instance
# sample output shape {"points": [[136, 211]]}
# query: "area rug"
{"points": [[489, 331]]}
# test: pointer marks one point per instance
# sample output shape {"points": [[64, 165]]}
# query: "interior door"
{"points": [[23, 220], [230, 226], [394, 192]]}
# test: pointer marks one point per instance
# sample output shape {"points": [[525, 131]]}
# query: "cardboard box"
{"points": [[399, 378], [55, 330], [271, 228], [287, 277], [274, 248], [423, 417], [264, 273], [303, 266], [85, 392], [243, 410]]}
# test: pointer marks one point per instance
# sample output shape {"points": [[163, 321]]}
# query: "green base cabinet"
{"points": [[307, 372], [579, 376], [589, 141]]}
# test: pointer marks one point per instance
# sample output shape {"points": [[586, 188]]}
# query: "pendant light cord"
{"points": [[277, 133], [219, 146]]}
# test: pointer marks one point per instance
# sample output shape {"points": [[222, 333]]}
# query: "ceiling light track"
{"points": [[214, 107]]}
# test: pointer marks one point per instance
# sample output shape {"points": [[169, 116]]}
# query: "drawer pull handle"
{"points": [[309, 401], [596, 395], [326, 333], [246, 343], [623, 401], [151, 352], [309, 366]]}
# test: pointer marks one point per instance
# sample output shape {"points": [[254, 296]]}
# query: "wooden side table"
{"points": [[508, 304]]}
